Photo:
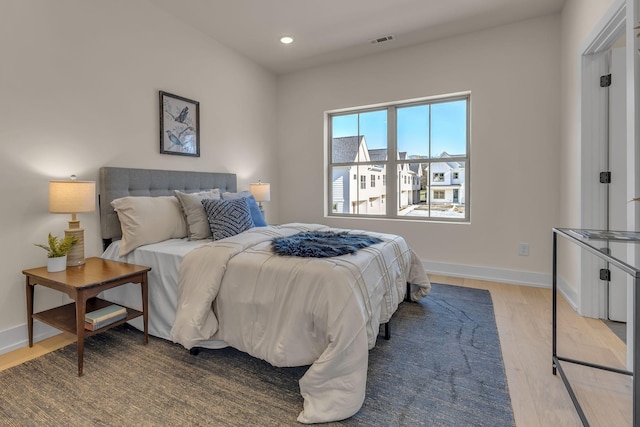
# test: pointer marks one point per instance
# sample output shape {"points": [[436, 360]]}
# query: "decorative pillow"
{"points": [[227, 217], [146, 220], [256, 213], [194, 214]]}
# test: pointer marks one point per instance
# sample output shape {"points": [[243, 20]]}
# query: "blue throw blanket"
{"points": [[322, 244]]}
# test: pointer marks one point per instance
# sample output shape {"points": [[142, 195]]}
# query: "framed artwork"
{"points": [[179, 125]]}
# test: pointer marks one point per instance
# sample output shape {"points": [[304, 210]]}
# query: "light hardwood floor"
{"points": [[523, 317]]}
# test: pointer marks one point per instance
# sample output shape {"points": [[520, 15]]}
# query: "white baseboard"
{"points": [[512, 277], [18, 337], [568, 292]]}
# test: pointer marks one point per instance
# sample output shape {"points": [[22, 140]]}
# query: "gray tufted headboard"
{"points": [[121, 182]]}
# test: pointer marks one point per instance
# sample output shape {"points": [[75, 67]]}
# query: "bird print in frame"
{"points": [[179, 125]]}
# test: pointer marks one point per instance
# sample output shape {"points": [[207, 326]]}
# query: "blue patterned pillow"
{"points": [[256, 214], [227, 217]]}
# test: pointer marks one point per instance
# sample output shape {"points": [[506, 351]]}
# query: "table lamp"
{"points": [[261, 192], [73, 197]]}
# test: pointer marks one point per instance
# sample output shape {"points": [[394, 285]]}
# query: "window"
{"points": [[424, 143]]}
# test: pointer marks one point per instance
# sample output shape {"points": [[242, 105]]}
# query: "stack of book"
{"points": [[105, 316]]}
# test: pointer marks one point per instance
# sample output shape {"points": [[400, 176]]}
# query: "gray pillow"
{"points": [[227, 217], [194, 214]]}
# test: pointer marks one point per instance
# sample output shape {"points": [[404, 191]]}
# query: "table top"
{"points": [[604, 235], [95, 271], [593, 240]]}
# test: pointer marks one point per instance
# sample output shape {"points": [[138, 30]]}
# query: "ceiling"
{"points": [[326, 31]]}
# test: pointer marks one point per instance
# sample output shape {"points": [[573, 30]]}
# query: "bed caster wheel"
{"points": [[194, 351]]}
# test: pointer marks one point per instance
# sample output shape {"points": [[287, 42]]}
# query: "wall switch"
{"points": [[523, 249]]}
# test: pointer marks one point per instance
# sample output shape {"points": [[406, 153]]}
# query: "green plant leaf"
{"points": [[56, 247]]}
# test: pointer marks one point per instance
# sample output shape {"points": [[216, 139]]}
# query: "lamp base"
{"points": [[75, 256]]}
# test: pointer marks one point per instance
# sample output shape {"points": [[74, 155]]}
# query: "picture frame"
{"points": [[179, 125]]}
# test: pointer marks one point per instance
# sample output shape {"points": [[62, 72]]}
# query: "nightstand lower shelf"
{"points": [[64, 317]]}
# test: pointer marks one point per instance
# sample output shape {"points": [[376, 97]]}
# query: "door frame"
{"points": [[594, 127], [590, 299]]}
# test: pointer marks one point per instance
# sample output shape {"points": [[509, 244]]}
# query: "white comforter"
{"points": [[293, 311]]}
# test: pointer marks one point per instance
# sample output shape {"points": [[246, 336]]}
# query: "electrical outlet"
{"points": [[523, 249]]}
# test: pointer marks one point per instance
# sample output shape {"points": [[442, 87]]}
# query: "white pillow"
{"points": [[194, 214], [146, 220]]}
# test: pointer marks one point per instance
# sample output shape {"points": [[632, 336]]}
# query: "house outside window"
{"points": [[425, 142]]}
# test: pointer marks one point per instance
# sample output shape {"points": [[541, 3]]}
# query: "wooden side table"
{"points": [[82, 284]]}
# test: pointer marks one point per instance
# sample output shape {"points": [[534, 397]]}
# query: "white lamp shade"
{"points": [[72, 196], [261, 191]]}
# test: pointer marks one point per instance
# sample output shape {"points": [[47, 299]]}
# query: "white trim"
{"points": [[610, 27], [633, 163], [568, 292], [593, 194], [512, 277], [17, 336], [591, 297]]}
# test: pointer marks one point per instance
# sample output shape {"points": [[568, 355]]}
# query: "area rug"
{"points": [[441, 367]]}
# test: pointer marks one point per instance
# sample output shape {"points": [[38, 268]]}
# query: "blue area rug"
{"points": [[442, 367]]}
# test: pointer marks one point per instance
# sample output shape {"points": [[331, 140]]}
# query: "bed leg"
{"points": [[194, 351], [387, 332], [407, 297]]}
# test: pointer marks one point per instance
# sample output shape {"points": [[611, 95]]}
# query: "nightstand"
{"points": [[82, 284]]}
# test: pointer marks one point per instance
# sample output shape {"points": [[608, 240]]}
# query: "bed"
{"points": [[235, 291]]}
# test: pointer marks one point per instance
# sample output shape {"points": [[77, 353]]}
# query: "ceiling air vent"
{"points": [[382, 39]]}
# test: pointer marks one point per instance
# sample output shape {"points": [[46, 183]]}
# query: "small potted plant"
{"points": [[57, 252]]}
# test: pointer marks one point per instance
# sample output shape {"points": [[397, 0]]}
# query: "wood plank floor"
{"points": [[523, 317]]}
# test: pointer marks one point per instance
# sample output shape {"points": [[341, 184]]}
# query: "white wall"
{"points": [[513, 75], [79, 85]]}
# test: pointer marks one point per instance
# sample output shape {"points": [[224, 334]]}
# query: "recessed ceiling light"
{"points": [[286, 40]]}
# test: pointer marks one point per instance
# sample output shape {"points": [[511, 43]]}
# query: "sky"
{"points": [[448, 128]]}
